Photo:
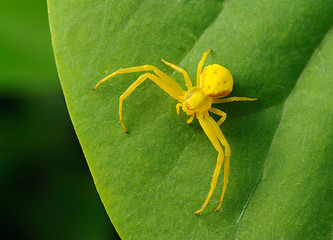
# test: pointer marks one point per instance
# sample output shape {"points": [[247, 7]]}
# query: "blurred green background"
{"points": [[47, 191]]}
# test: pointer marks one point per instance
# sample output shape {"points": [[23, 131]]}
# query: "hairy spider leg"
{"points": [[177, 92], [160, 82], [179, 69], [207, 123], [233, 99], [201, 63], [220, 113]]}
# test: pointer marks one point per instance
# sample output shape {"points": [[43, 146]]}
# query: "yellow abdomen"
{"points": [[216, 81]]}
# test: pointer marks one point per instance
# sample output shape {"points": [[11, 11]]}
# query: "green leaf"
{"points": [[153, 179]]}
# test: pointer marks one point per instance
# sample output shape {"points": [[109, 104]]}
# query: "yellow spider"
{"points": [[213, 82]]}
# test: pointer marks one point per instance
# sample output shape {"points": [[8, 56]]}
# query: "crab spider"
{"points": [[212, 84]]}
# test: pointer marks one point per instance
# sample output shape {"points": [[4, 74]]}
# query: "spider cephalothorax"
{"points": [[195, 100], [212, 83]]}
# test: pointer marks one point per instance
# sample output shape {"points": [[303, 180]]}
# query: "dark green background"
{"points": [[46, 188]]}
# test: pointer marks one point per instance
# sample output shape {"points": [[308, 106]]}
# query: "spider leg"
{"points": [[201, 63], [227, 149], [233, 99], [185, 74], [206, 123], [225, 180], [177, 91], [160, 82], [220, 113]]}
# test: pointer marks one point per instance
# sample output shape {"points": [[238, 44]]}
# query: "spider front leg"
{"points": [[160, 82], [215, 135]]}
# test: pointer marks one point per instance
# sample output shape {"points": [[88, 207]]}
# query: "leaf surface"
{"points": [[153, 179]]}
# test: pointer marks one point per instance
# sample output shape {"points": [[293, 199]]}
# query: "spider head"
{"points": [[195, 101], [216, 81]]}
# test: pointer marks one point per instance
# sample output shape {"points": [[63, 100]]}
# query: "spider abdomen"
{"points": [[216, 81]]}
